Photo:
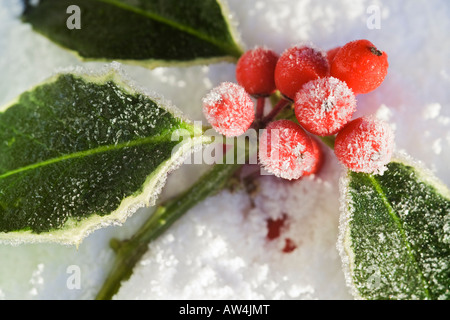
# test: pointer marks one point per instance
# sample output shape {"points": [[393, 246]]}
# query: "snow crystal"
{"points": [[384, 113], [437, 146], [431, 111]]}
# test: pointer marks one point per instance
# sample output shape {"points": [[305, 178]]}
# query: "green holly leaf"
{"points": [[395, 233], [145, 32], [82, 151]]}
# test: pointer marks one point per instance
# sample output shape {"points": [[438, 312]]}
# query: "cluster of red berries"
{"points": [[320, 87]]}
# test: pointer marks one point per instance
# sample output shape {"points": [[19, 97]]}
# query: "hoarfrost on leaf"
{"points": [[76, 169], [396, 224]]}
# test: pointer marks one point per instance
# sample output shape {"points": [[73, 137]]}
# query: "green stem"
{"points": [[328, 140], [129, 252]]}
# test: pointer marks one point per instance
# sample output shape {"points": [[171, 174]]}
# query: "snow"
{"points": [[218, 250], [221, 259]]}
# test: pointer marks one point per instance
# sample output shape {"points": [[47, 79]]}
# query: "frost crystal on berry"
{"points": [[365, 145], [317, 157], [324, 106], [229, 109], [286, 150]]}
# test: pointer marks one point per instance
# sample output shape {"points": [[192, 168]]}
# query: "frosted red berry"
{"points": [[365, 145], [361, 65], [298, 65], [286, 150], [229, 109], [324, 106], [317, 155], [255, 71], [331, 54]]}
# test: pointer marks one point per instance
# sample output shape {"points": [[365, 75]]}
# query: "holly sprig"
{"points": [[285, 148], [394, 220]]}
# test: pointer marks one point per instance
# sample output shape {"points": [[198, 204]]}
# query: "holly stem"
{"points": [[329, 141], [260, 102], [275, 111], [129, 252], [275, 98]]}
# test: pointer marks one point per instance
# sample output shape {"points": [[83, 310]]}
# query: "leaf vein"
{"points": [[398, 223], [176, 25], [90, 152]]}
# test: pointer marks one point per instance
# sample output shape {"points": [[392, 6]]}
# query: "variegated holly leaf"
{"points": [[395, 233], [145, 32], [82, 151]]}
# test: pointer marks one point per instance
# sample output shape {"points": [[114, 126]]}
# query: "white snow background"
{"points": [[219, 249]]}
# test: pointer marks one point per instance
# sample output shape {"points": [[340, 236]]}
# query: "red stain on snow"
{"points": [[275, 228]]}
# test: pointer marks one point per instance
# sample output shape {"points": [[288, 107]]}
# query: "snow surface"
{"points": [[219, 250]]}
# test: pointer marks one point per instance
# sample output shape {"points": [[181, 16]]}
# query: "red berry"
{"points": [[286, 150], [317, 156], [229, 109], [365, 145], [361, 65], [331, 54], [255, 71], [297, 66], [324, 106]]}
